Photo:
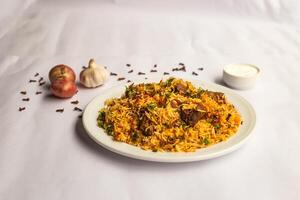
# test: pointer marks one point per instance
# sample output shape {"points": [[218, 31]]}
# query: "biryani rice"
{"points": [[171, 116]]}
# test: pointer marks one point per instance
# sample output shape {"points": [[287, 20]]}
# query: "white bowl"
{"points": [[240, 76]]}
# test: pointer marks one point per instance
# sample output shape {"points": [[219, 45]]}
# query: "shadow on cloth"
{"points": [[219, 81]]}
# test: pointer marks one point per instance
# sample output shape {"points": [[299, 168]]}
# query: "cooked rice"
{"points": [[171, 116]]}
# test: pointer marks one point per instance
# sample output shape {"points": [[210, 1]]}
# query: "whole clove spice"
{"points": [[75, 102], [121, 79], [113, 74], [128, 81], [21, 108], [42, 83], [36, 74], [153, 70], [166, 73], [38, 92], [155, 66], [130, 71], [200, 68], [32, 81], [25, 99], [179, 69], [84, 67], [41, 79], [128, 65], [77, 109], [194, 73], [23, 92], [60, 110], [141, 73]]}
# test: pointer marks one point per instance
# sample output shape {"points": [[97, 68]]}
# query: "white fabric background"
{"points": [[47, 155]]}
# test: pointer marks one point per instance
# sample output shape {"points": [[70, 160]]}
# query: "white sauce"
{"points": [[242, 70]]}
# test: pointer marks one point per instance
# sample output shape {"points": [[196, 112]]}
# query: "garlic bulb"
{"points": [[94, 75]]}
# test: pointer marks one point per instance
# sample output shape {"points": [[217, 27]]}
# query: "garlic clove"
{"points": [[93, 76]]}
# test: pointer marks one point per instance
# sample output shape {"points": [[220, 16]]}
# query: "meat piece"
{"points": [[145, 126], [195, 116], [181, 88], [219, 97], [191, 116], [174, 104]]}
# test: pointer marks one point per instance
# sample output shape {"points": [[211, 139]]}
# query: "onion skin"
{"points": [[62, 72], [63, 88]]}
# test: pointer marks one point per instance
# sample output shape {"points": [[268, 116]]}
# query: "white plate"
{"points": [[98, 135]]}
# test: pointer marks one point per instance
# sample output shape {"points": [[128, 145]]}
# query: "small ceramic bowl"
{"points": [[240, 76]]}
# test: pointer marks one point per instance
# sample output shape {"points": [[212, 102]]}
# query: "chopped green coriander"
{"points": [[151, 106], [206, 142]]}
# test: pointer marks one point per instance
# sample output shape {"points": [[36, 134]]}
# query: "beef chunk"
{"points": [[191, 116], [181, 88], [145, 126]]}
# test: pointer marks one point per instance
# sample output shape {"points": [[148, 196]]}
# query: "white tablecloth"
{"points": [[47, 155]]}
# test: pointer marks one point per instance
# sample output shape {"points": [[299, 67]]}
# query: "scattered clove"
{"points": [[128, 81], [181, 64], [77, 109], [60, 110], [194, 73], [155, 66], [141, 73], [80, 116], [153, 70], [179, 69], [128, 65], [130, 71], [21, 108], [113, 74], [23, 92], [38, 92], [201, 68], [36, 74], [32, 81], [41, 79], [42, 83], [121, 79], [166, 73], [75, 102], [25, 99]]}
